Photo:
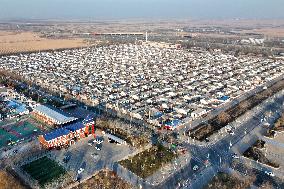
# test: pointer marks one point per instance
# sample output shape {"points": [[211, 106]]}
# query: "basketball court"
{"points": [[12, 133]]}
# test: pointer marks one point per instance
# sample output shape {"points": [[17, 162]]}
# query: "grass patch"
{"points": [[44, 170], [149, 161]]}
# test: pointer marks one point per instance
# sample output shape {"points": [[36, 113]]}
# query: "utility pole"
{"points": [[146, 37]]}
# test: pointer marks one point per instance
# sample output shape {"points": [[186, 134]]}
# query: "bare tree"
{"points": [[244, 105], [266, 185], [223, 118]]}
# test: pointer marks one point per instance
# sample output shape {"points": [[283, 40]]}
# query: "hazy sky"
{"points": [[133, 9]]}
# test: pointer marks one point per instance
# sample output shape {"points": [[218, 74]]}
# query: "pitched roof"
{"points": [[59, 116], [115, 138]]}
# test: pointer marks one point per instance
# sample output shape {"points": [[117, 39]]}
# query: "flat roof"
{"points": [[115, 138], [57, 115]]}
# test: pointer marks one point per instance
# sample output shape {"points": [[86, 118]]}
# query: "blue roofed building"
{"points": [[17, 108], [224, 98], [172, 124], [64, 136]]}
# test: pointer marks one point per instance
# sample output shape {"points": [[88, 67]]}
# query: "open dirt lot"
{"points": [[14, 42]]}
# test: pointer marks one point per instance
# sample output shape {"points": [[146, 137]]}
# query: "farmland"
{"points": [[15, 42], [44, 170]]}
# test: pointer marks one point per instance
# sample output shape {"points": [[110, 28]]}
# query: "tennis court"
{"points": [[16, 132]]}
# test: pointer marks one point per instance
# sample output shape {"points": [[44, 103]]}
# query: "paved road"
{"points": [[219, 154]]}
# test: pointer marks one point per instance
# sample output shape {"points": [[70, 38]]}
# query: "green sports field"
{"points": [[44, 170]]}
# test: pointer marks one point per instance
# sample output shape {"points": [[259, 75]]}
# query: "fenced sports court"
{"points": [[44, 170], [13, 133]]}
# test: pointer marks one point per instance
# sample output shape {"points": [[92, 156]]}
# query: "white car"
{"points": [[97, 148], [95, 156], [195, 168], [231, 132], [269, 173], [80, 170], [235, 156], [99, 141]]}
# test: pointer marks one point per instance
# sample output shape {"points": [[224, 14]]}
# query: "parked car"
{"points": [[95, 156], [99, 140], [98, 147], [15, 151], [231, 132], [91, 142], [195, 168], [66, 158], [80, 170], [235, 156], [269, 173]]}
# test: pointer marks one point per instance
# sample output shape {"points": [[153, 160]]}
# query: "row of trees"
{"points": [[233, 48], [105, 179], [114, 127], [226, 181], [21, 85]]}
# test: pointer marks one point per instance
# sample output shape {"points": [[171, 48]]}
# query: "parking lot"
{"points": [[80, 156]]}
